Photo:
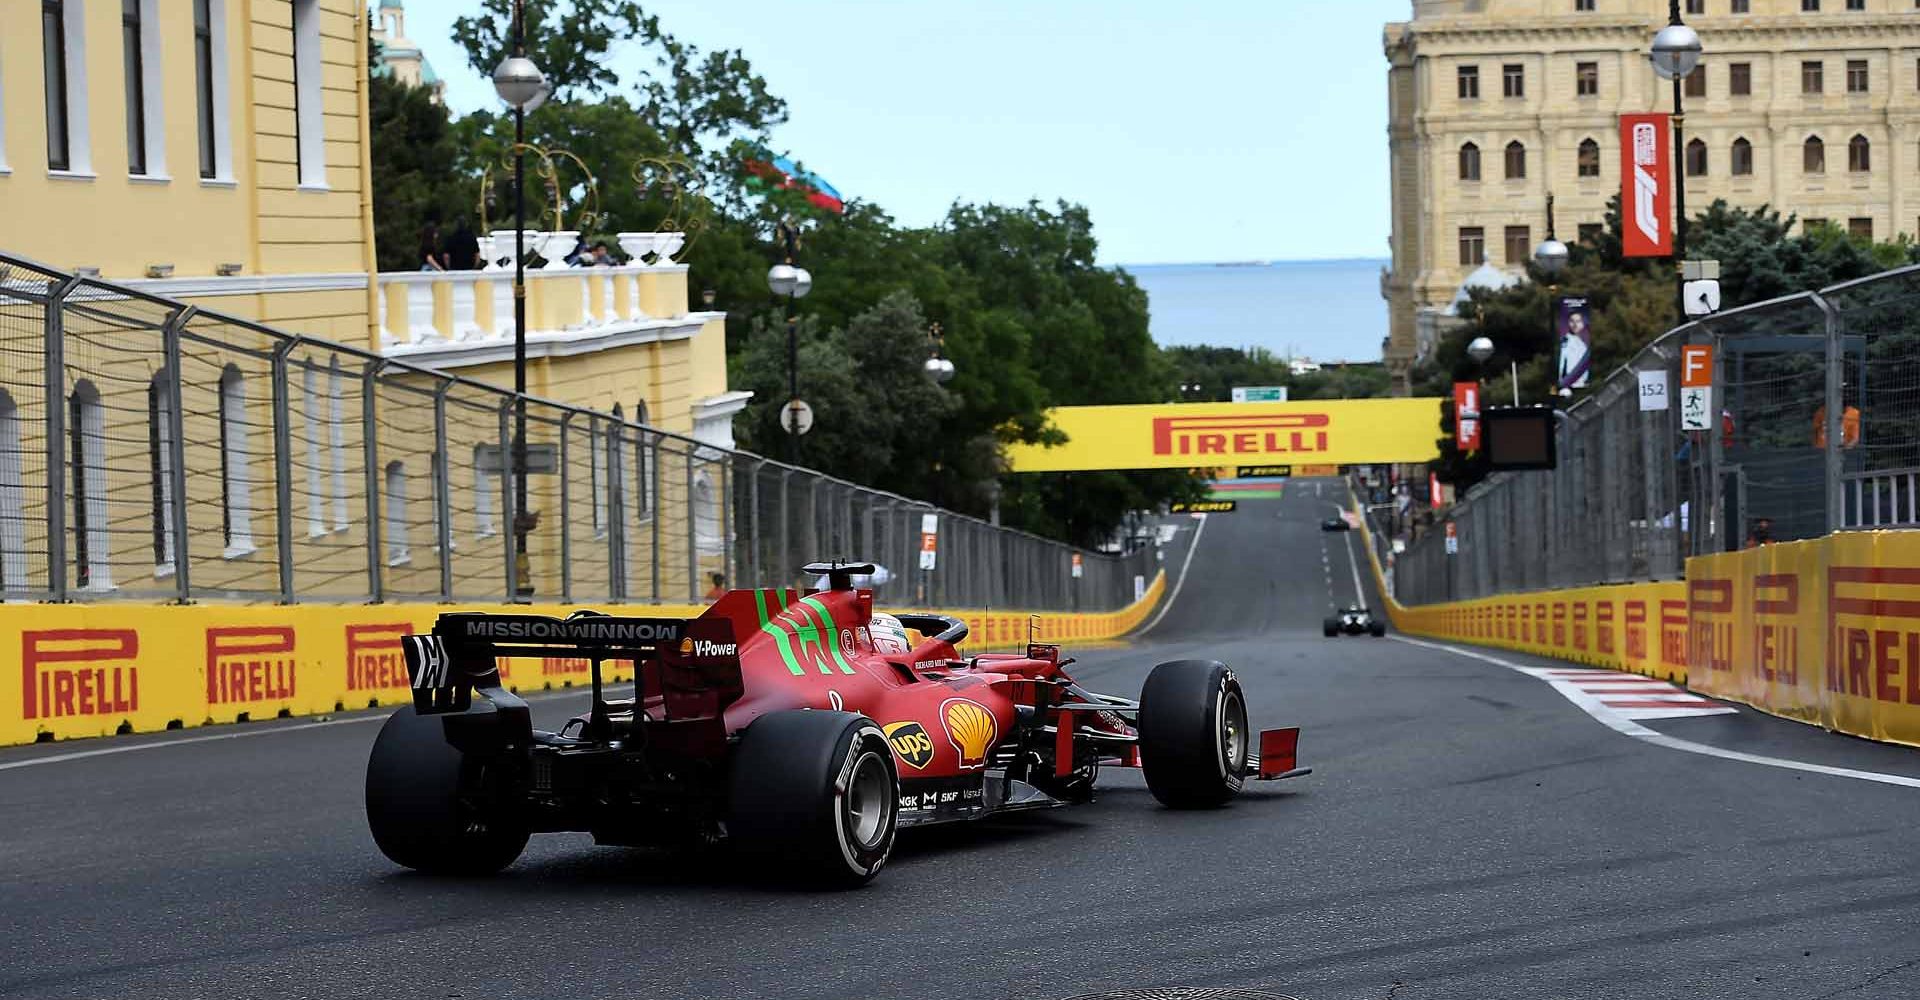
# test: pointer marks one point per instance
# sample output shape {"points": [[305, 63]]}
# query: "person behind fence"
{"points": [[719, 588], [432, 257], [463, 248]]}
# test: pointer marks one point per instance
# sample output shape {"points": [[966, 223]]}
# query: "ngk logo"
{"points": [[1873, 632], [1241, 435], [79, 672], [1776, 639], [249, 664], [374, 659]]}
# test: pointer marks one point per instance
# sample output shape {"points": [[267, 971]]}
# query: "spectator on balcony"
{"points": [[599, 258], [577, 257], [432, 256], [463, 249]]}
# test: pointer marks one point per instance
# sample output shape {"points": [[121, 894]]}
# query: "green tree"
{"points": [[416, 179]]}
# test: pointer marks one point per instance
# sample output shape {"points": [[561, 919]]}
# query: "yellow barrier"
{"points": [[96, 669], [1824, 631]]}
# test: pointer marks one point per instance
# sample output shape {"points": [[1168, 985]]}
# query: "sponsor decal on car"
{"points": [[971, 728], [910, 743]]}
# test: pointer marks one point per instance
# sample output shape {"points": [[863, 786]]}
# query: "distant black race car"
{"points": [[1335, 524], [1353, 621]]}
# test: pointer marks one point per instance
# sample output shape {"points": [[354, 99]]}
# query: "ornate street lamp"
{"points": [[1676, 51], [792, 283], [521, 85], [938, 367]]}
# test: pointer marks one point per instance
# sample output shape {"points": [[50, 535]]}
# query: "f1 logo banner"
{"points": [[1213, 435], [1466, 416], [1646, 185]]}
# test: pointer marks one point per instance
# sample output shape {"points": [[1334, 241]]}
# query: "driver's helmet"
{"points": [[889, 636]]}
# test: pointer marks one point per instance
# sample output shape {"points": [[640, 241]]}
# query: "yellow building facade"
{"points": [[1810, 106], [215, 153]]}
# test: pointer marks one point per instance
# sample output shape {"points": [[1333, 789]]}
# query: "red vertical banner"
{"points": [[1466, 416], [1646, 185], [1433, 488]]}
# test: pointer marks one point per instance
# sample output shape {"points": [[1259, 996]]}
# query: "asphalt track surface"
{"points": [[1467, 833]]}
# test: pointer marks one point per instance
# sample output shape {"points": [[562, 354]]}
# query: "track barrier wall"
{"points": [[1824, 631], [100, 669]]}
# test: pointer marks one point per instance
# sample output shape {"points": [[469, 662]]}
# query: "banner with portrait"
{"points": [[1573, 322]]}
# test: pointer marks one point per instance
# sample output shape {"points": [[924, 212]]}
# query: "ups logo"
{"points": [[911, 744]]}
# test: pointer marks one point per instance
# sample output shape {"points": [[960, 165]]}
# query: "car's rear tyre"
{"points": [[814, 797], [1376, 628], [1193, 734], [1330, 627], [432, 808]]}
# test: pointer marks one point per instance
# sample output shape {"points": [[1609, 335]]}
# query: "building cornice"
{"points": [[204, 287], [1718, 34], [551, 344]]}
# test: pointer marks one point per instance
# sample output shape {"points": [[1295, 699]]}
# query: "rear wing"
{"points": [[691, 664]]}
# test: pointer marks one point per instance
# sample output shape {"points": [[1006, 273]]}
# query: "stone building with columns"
{"points": [[1811, 106]]}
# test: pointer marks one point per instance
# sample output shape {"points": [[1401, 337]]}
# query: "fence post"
{"points": [[755, 551], [786, 526], [370, 451], [1836, 413], [509, 501], [724, 496], [282, 469], [616, 518], [566, 515], [442, 490], [56, 397], [659, 513], [693, 535], [177, 452]]}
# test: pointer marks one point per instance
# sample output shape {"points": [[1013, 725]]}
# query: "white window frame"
{"points": [[337, 443], [13, 501], [597, 475], [393, 512], [73, 29], [309, 121], [93, 468], [316, 473], [222, 125], [238, 465], [152, 94], [645, 454], [484, 485]]}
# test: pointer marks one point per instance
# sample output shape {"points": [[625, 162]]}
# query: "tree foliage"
{"points": [[416, 177]]}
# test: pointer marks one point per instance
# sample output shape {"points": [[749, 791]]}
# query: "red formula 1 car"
{"points": [[773, 723]]}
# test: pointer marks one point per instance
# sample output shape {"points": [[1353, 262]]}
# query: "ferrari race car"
{"points": [[787, 726], [1353, 621]]}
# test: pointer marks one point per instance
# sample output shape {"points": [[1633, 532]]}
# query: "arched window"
{"points": [[1516, 160], [707, 538], [337, 441], [1469, 162], [644, 455], [1813, 156], [160, 465], [13, 500], [236, 465], [1588, 162], [1696, 158], [1859, 154], [616, 457], [1742, 159], [485, 485], [87, 434], [394, 505]]}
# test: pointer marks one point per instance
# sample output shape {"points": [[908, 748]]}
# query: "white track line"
{"points": [[1627, 727], [62, 758], [1192, 547]]}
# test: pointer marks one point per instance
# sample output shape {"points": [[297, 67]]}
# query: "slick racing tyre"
{"points": [[1193, 734], [432, 808], [1330, 627], [813, 797], [1376, 628]]}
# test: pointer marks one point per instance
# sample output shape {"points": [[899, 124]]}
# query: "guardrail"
{"points": [[152, 451], [1814, 428]]}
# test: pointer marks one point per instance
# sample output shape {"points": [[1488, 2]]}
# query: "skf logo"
{"points": [[79, 671], [911, 744], [249, 664], [1776, 639], [1877, 655], [971, 729], [1254, 434], [375, 661]]}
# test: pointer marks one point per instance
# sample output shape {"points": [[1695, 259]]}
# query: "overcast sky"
{"points": [[1216, 130]]}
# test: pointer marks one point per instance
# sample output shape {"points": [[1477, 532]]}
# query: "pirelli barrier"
{"points": [[99, 669], [1825, 631]]}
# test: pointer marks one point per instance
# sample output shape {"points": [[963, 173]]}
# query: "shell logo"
{"points": [[686, 646], [971, 729]]}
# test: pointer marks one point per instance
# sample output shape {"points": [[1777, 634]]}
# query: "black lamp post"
{"points": [[1676, 51], [521, 85], [791, 283]]}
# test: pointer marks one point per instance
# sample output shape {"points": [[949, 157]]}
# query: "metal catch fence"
{"points": [[153, 451], [1815, 428]]}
